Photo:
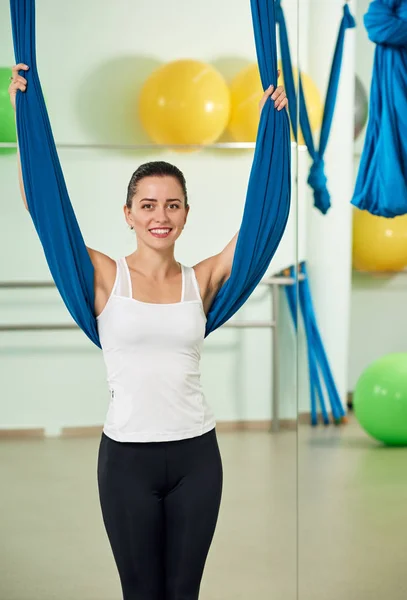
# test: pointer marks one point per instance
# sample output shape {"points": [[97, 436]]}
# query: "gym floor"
{"points": [[352, 510]]}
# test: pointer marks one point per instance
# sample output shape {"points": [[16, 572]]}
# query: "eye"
{"points": [[146, 206], [174, 206]]}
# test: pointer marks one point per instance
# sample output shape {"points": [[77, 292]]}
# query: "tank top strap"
{"points": [[122, 285], [191, 291]]}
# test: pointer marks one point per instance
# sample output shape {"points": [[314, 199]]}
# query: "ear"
{"points": [[186, 213], [127, 216]]}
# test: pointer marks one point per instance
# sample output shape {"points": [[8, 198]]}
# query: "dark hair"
{"points": [[155, 169]]}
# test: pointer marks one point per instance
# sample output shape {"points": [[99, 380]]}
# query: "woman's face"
{"points": [[158, 212]]}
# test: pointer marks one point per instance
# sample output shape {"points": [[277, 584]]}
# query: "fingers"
{"points": [[279, 90], [277, 94], [19, 67], [19, 83], [16, 78], [280, 98], [269, 91]]}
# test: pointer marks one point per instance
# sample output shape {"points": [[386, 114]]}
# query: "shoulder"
{"points": [[99, 259]]}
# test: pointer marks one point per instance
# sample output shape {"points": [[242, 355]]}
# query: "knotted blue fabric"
{"points": [[317, 178], [381, 185], [267, 203]]}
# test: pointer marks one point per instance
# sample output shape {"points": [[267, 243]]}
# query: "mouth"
{"points": [[160, 232]]}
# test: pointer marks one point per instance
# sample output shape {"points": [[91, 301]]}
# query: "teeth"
{"points": [[160, 231]]}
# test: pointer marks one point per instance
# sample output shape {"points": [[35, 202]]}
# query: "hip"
{"points": [[161, 464]]}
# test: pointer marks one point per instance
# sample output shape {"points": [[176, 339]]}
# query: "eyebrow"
{"points": [[155, 200]]}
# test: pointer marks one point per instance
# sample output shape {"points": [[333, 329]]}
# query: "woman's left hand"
{"points": [[278, 95]]}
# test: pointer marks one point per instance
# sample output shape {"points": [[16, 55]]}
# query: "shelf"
{"points": [[217, 146]]}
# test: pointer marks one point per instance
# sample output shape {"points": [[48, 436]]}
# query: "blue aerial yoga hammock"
{"points": [[267, 203], [381, 185], [317, 178]]}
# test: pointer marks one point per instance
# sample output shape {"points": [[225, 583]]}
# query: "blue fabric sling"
{"points": [[317, 178], [266, 208], [381, 185]]}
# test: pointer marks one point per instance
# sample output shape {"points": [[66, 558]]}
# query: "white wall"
{"points": [[91, 69], [378, 323]]}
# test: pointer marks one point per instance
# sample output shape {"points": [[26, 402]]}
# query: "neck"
{"points": [[153, 263]]}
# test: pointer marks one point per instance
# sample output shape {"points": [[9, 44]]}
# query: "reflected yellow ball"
{"points": [[184, 102], [379, 244]]}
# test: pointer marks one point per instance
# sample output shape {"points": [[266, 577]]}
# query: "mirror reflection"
{"points": [[352, 404]]}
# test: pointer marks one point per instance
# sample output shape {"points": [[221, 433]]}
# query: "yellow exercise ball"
{"points": [[246, 92], [184, 102], [379, 244]]}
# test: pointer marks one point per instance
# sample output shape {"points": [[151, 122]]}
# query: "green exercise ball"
{"points": [[7, 119], [380, 400]]}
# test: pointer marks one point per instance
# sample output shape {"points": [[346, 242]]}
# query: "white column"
{"points": [[329, 237]]}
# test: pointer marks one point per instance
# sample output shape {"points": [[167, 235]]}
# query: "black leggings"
{"points": [[160, 503]]}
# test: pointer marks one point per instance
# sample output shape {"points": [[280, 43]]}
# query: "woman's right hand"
{"points": [[17, 83]]}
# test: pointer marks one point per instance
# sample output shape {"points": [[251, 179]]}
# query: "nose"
{"points": [[160, 215]]}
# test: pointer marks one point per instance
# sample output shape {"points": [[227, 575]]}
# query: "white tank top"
{"points": [[152, 354]]}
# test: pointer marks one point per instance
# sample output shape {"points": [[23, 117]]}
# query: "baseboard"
{"points": [[304, 418], [22, 433], [76, 432]]}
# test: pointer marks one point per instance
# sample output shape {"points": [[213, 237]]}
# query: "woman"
{"points": [[159, 467]]}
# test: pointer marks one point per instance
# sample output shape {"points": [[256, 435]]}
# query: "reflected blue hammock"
{"points": [[317, 178], [321, 380], [381, 185], [267, 202]]}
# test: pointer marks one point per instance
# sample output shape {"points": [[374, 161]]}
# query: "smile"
{"points": [[161, 232]]}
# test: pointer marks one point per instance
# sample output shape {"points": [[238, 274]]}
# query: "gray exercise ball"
{"points": [[361, 107]]}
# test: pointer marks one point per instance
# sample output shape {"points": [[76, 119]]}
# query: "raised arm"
{"points": [[103, 265], [213, 272], [18, 83]]}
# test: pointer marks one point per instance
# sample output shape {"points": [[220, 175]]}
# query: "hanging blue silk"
{"points": [[268, 195], [381, 185], [266, 208], [318, 364], [291, 295], [317, 346], [317, 178], [46, 193]]}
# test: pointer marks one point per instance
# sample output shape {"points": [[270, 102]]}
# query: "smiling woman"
{"points": [[151, 322]]}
